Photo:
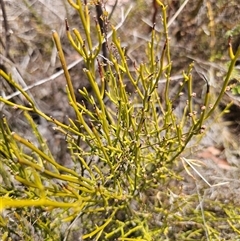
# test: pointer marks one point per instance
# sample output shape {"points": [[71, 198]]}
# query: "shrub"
{"points": [[124, 143]]}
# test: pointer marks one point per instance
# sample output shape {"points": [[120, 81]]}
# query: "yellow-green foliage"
{"points": [[124, 148]]}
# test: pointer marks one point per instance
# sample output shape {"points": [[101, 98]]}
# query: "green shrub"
{"points": [[122, 183]]}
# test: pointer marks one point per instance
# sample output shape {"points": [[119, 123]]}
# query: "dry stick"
{"points": [[155, 15], [100, 19], [177, 13], [59, 73], [155, 7], [5, 23]]}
